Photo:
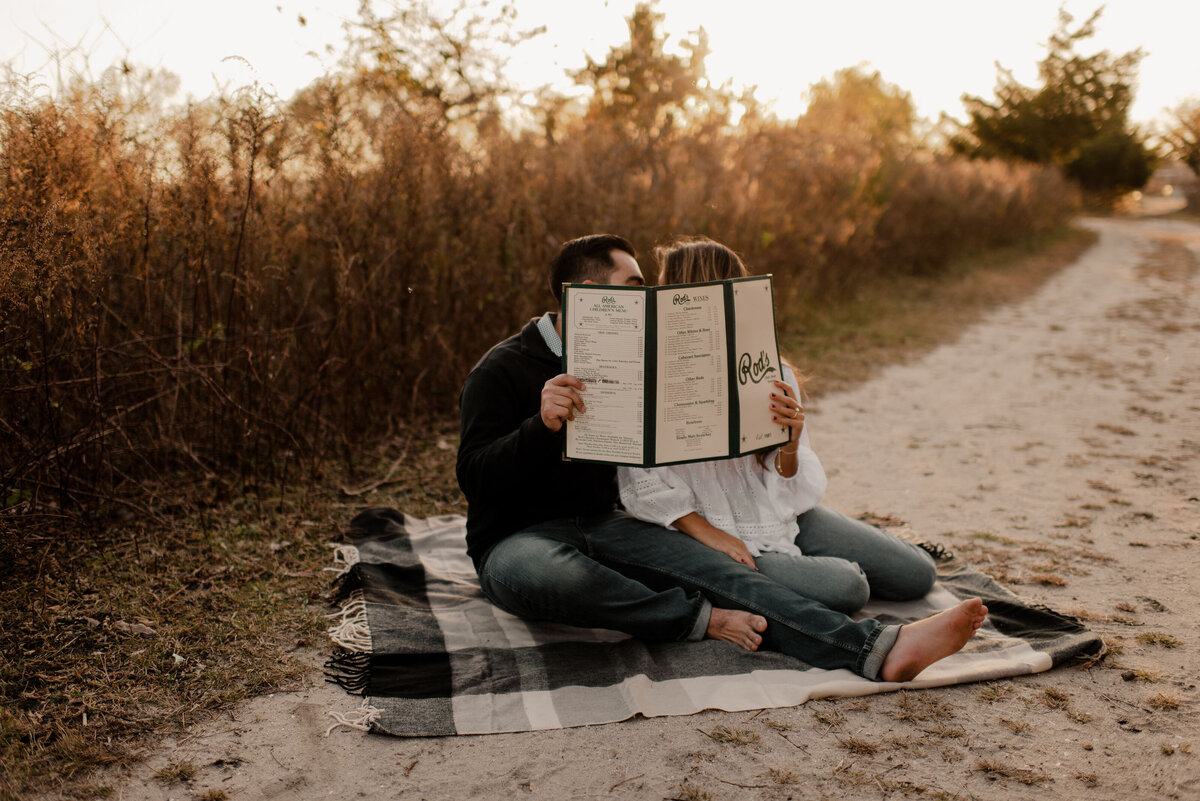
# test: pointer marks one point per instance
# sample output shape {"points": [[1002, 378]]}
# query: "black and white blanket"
{"points": [[432, 656]]}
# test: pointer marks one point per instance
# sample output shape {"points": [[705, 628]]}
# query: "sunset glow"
{"points": [[936, 49]]}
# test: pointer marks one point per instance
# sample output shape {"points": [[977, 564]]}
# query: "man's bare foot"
{"points": [[739, 628], [921, 644]]}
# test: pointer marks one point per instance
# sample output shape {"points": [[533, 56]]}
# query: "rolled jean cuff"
{"points": [[877, 649], [700, 627]]}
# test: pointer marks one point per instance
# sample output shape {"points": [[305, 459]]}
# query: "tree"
{"points": [[639, 88], [857, 101], [1078, 118], [446, 62], [1182, 141], [1183, 137]]}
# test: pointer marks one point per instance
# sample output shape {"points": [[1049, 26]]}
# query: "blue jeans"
{"points": [[845, 561], [614, 571]]}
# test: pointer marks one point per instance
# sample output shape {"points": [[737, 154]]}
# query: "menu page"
{"points": [[605, 347], [692, 408], [757, 363]]}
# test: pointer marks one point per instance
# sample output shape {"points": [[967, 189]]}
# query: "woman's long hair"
{"points": [[695, 259]]}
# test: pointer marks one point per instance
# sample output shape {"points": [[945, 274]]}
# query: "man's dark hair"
{"points": [[588, 258]]}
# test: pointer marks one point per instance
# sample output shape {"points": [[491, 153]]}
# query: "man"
{"points": [[548, 542]]}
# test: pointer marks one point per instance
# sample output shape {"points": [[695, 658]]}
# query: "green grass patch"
{"points": [[1159, 638]]}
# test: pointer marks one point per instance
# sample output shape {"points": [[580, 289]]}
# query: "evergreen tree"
{"points": [[1078, 118]]}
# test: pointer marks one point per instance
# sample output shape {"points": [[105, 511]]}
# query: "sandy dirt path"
{"points": [[1056, 446]]}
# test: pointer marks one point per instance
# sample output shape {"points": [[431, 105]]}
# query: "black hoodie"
{"points": [[510, 465]]}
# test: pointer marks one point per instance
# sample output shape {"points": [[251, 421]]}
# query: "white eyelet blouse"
{"points": [[740, 496]]}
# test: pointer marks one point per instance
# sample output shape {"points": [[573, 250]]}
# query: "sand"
{"points": [[1056, 445]]}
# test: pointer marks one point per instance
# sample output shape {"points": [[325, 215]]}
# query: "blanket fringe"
{"points": [[346, 584], [359, 719], [350, 629], [350, 671], [344, 557]]}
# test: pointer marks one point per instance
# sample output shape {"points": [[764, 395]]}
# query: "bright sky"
{"points": [[934, 49]]}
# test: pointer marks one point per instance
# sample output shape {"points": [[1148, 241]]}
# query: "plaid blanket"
{"points": [[432, 656]]}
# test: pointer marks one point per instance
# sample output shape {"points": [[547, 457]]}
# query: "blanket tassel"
{"points": [[346, 583], [344, 557], [359, 719], [350, 629], [350, 671]]}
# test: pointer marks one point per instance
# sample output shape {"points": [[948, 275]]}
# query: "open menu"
{"points": [[677, 373]]}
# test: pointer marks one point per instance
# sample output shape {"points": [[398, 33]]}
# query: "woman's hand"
{"points": [[731, 546], [699, 529], [786, 410]]}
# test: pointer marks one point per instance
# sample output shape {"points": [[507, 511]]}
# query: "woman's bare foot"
{"points": [[739, 628], [921, 644]]}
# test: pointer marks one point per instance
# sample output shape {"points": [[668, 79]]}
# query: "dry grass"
{"points": [[857, 745], [992, 693], [724, 734], [829, 717], [783, 776], [176, 772], [1164, 702], [994, 769], [1056, 698], [920, 707], [690, 792], [93, 630], [1015, 726]]}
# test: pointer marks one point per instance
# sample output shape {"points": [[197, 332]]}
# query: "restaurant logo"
{"points": [[754, 371]]}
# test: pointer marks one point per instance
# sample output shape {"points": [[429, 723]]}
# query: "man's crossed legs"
{"points": [[614, 571]]}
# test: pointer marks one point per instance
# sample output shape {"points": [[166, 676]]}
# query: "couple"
{"points": [[549, 542]]}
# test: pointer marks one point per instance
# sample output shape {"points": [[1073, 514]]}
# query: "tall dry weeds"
{"points": [[231, 292]]}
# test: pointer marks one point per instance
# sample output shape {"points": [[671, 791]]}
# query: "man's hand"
{"points": [[561, 398]]}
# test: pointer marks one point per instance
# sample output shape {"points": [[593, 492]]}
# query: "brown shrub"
{"points": [[230, 288]]}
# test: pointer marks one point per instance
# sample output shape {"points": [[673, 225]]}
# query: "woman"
{"points": [[762, 509]]}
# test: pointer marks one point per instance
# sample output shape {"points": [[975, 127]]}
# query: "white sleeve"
{"points": [[655, 494], [793, 496]]}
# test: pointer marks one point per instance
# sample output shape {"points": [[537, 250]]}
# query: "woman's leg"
{"points": [[895, 569], [834, 582], [796, 625]]}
